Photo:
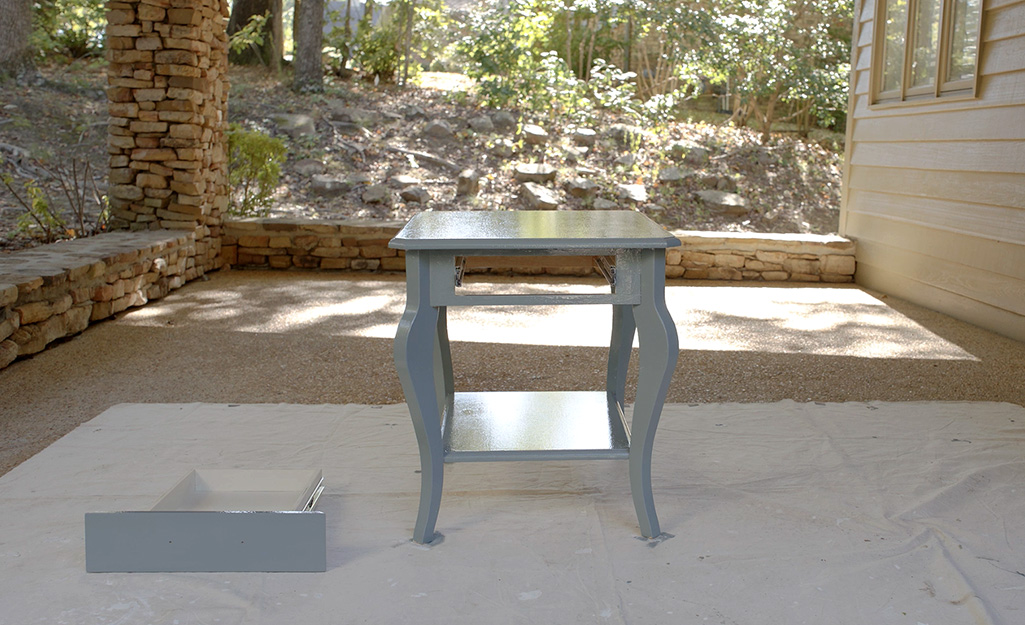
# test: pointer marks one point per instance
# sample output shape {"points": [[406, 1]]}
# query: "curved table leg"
{"points": [[623, 329], [659, 349], [417, 344], [443, 381]]}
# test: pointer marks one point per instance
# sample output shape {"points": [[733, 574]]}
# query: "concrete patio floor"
{"points": [[314, 338], [827, 456]]}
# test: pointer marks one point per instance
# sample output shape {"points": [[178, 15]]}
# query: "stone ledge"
{"points": [[57, 290], [54, 291], [363, 245]]}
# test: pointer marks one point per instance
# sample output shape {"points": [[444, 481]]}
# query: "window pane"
{"points": [[893, 44], [964, 39], [927, 40]]}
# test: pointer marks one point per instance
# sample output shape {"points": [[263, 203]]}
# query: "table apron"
{"points": [[442, 270]]}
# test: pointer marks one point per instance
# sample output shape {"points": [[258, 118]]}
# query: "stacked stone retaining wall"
{"points": [[54, 291], [57, 290], [291, 244]]}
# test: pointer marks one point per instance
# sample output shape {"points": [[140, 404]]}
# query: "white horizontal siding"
{"points": [[935, 191], [991, 223]]}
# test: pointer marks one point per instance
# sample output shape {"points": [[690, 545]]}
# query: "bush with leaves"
{"points": [[783, 58], [87, 207], [254, 170], [73, 28], [503, 49], [612, 88], [406, 37], [250, 35]]}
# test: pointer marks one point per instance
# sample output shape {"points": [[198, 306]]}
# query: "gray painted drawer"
{"points": [[216, 520]]}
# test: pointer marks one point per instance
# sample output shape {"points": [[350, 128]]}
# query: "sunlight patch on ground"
{"points": [[830, 321], [445, 81]]}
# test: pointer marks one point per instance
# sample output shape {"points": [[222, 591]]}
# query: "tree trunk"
{"points": [[410, 12], [347, 51], [15, 27], [768, 117], [270, 52], [309, 46]]}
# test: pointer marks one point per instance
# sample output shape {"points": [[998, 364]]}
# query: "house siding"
{"points": [[934, 194]]}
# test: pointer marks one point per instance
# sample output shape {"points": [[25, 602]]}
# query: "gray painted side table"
{"points": [[629, 250]]}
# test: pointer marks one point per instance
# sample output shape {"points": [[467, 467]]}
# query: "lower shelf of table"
{"points": [[558, 425]]}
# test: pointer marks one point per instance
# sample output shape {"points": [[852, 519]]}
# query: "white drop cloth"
{"points": [[784, 513]]}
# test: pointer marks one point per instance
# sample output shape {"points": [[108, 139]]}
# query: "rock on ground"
{"points": [[534, 172], [729, 203], [539, 196]]}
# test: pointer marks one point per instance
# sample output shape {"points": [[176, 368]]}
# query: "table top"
{"points": [[532, 230]]}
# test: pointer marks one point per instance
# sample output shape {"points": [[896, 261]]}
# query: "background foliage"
{"points": [[768, 61]]}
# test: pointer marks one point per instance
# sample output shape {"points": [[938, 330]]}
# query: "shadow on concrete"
{"points": [[309, 338]]}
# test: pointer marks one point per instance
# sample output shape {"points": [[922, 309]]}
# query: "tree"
{"points": [[789, 55], [309, 45], [273, 40], [15, 27]]}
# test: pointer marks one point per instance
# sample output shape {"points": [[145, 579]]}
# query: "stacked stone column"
{"points": [[168, 99]]}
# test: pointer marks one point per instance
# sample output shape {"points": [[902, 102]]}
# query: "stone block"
{"points": [[155, 154], [189, 16], [150, 181], [757, 265], [122, 175], [836, 264], [696, 259], [305, 261], [169, 69], [149, 95], [801, 266], [725, 273], [8, 325], [307, 241], [836, 278], [280, 262], [376, 251], [675, 271], [123, 109], [245, 258], [8, 294], [190, 95], [8, 352], [365, 264], [176, 57], [335, 263], [77, 318], [804, 277], [120, 16], [151, 13], [775, 258], [186, 131], [729, 260], [254, 241], [395, 263], [142, 126], [120, 143]]}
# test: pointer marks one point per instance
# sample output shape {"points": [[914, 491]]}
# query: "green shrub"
{"points": [[254, 169], [73, 28], [377, 52]]}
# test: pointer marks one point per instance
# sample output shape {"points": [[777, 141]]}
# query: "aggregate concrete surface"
{"points": [[318, 338]]}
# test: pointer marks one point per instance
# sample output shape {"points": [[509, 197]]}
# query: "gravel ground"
{"points": [[309, 338]]}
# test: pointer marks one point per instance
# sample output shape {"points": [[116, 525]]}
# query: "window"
{"points": [[925, 49]]}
